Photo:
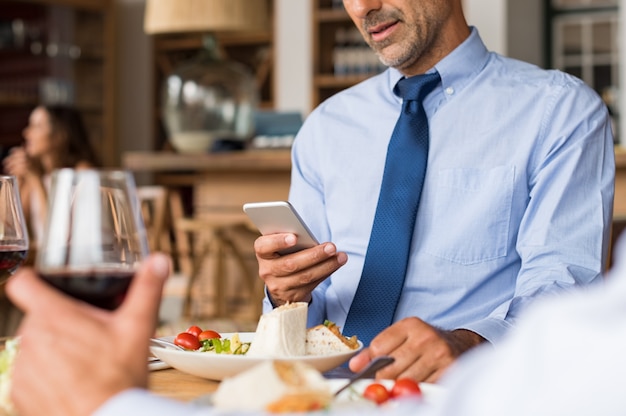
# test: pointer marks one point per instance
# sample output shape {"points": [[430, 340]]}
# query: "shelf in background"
{"points": [[64, 53], [341, 58]]}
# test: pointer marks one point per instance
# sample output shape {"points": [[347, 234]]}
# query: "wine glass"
{"points": [[13, 230], [94, 238]]}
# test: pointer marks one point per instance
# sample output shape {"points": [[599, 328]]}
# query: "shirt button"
{"points": [[449, 90]]}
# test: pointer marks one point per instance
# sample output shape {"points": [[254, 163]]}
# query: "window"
{"points": [[585, 44]]}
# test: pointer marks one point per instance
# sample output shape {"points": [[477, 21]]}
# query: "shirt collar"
{"points": [[458, 68]]}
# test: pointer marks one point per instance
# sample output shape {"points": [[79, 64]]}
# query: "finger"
{"points": [[389, 340], [325, 259], [320, 253], [8, 163], [267, 246], [310, 264], [294, 285], [359, 361], [402, 367], [144, 295], [436, 375], [418, 361], [420, 370], [30, 293]]}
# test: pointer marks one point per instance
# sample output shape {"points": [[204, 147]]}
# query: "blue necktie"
{"points": [[376, 298]]}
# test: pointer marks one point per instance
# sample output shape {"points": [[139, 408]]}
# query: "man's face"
{"points": [[401, 31]]}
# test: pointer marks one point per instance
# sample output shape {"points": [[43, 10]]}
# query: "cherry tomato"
{"points": [[195, 330], [208, 334], [377, 393], [187, 341], [405, 387]]}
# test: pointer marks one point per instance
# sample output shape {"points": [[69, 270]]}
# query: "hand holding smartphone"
{"points": [[280, 217]]}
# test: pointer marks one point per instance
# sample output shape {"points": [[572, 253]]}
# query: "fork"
{"points": [[369, 371], [165, 344]]}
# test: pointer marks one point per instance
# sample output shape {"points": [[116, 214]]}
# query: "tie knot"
{"points": [[417, 87]]}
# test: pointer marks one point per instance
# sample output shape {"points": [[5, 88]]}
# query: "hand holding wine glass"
{"points": [[94, 239], [13, 230]]}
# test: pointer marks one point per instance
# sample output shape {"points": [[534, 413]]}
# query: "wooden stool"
{"points": [[154, 209], [159, 205], [209, 238], [191, 242]]}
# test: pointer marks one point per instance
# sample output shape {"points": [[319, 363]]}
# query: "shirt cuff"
{"points": [[491, 329], [268, 305], [137, 401], [317, 312]]}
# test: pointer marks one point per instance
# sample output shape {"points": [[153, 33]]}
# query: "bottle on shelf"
{"points": [[340, 63], [352, 56]]}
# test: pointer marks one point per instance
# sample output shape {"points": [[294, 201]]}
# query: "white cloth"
{"points": [[567, 357]]}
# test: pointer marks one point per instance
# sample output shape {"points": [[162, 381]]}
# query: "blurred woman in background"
{"points": [[54, 138]]}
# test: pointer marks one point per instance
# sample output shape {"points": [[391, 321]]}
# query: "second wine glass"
{"points": [[94, 239], [13, 230]]}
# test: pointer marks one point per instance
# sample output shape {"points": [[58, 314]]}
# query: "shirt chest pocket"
{"points": [[471, 214]]}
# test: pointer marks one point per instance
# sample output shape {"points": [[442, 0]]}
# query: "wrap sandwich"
{"points": [[281, 332]]}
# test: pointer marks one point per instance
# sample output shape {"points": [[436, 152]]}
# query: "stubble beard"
{"points": [[399, 55], [407, 45]]}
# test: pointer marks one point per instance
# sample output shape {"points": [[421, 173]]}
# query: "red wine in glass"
{"points": [[94, 239], [11, 257], [101, 288]]}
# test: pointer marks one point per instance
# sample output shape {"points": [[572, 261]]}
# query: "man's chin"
{"points": [[394, 56]]}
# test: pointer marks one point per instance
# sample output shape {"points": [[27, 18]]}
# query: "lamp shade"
{"points": [[170, 16]]}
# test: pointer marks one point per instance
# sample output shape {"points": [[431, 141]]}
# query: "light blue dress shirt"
{"points": [[517, 200]]}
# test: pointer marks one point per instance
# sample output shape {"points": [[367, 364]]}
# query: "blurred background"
{"points": [[114, 62], [96, 54]]}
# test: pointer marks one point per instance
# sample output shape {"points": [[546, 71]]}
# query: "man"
{"points": [[516, 201]]}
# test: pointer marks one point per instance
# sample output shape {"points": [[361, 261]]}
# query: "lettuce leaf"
{"points": [[6, 366]]}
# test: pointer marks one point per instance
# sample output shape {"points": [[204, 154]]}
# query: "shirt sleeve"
{"points": [[563, 238], [141, 402]]}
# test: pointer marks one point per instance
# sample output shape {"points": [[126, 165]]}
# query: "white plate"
{"points": [[431, 393], [352, 399], [220, 366]]}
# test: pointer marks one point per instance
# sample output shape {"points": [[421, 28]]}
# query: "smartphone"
{"points": [[280, 217]]}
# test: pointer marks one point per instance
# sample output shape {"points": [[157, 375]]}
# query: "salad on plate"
{"points": [[7, 355]]}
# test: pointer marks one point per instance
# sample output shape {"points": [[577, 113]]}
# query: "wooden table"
{"points": [[177, 385], [221, 182]]}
